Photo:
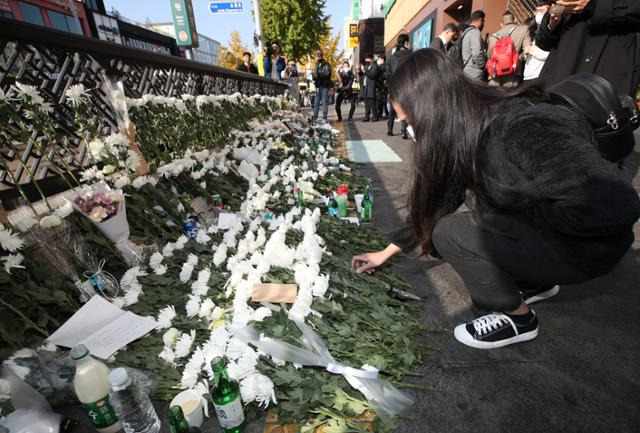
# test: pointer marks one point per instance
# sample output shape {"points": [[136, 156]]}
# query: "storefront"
{"points": [[423, 20]]}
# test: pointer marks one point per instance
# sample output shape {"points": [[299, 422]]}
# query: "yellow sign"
{"points": [[353, 34]]}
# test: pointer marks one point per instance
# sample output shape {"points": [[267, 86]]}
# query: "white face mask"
{"points": [[411, 133], [539, 16]]}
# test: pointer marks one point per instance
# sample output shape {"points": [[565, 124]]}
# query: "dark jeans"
{"points": [[370, 108], [382, 105], [345, 97], [498, 257], [392, 119], [322, 96]]}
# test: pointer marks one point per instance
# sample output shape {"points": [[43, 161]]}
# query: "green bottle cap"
{"points": [[79, 352], [175, 413], [218, 363]]}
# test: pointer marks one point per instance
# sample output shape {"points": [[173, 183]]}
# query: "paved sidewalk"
{"points": [[582, 374]]}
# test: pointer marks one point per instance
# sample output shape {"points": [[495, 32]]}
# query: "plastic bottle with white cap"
{"points": [[132, 404], [91, 384]]}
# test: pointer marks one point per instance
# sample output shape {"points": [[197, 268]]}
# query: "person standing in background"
{"points": [[443, 41], [345, 84], [322, 80], [382, 93], [291, 74], [519, 34], [371, 75], [598, 37], [274, 64], [247, 66], [400, 53], [536, 56], [474, 54]]}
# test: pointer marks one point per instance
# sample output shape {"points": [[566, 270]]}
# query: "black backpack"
{"points": [[455, 52], [613, 118]]}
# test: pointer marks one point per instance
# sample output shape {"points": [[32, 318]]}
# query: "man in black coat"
{"points": [[443, 41], [344, 91], [596, 36], [371, 76], [401, 52], [247, 66]]}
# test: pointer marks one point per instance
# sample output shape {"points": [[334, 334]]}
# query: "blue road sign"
{"points": [[217, 7]]}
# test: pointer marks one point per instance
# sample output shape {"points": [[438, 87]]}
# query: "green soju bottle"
{"points": [[367, 206], [225, 394], [177, 422]]}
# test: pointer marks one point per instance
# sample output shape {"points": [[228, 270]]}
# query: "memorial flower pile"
{"points": [[199, 288]]}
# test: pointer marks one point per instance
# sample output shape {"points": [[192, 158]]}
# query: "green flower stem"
{"points": [[18, 187], [25, 318]]}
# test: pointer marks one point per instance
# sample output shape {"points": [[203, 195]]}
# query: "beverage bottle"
{"points": [[225, 394], [178, 423], [91, 384], [132, 405], [300, 197], [367, 206]]}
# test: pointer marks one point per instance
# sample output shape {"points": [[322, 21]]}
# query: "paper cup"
{"points": [[359, 198], [191, 404]]}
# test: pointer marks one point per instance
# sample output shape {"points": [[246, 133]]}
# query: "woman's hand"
{"points": [[573, 6], [369, 261]]}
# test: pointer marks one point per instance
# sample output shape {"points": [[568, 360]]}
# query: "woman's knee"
{"points": [[449, 233]]}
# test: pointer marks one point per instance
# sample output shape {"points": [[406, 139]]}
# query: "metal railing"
{"points": [[53, 61], [522, 9]]}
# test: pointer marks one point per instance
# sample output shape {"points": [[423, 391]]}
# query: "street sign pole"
{"points": [[256, 11]]}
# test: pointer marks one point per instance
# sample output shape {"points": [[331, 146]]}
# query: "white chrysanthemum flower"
{"points": [[97, 149], [133, 160], [183, 345], [170, 337], [10, 241], [140, 181], [48, 346], [91, 174], [160, 270], [165, 316], [28, 92], [167, 251], [180, 207], [259, 388], [21, 371], [116, 142], [77, 95], [121, 181], [64, 211], [181, 242], [206, 308], [193, 306], [216, 314], [220, 255], [168, 355], [261, 313], [50, 221], [202, 237], [5, 390], [156, 259]]}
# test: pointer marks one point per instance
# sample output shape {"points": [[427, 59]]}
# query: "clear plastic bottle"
{"points": [[91, 384], [132, 405]]}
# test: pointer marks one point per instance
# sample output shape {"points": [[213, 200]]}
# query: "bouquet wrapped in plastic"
{"points": [[106, 209]]}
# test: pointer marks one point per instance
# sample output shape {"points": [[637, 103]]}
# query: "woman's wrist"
{"points": [[391, 250]]}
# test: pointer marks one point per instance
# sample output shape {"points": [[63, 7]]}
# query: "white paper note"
{"points": [[102, 327], [227, 220]]}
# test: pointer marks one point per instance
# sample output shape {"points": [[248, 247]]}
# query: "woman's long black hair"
{"points": [[448, 113]]}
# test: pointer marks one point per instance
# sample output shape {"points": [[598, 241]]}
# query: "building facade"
{"points": [[64, 15], [207, 50], [423, 20]]}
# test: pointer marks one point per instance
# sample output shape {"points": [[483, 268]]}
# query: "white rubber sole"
{"points": [[543, 295], [461, 334]]}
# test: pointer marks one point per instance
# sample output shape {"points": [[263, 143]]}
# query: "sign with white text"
{"points": [[218, 7]]}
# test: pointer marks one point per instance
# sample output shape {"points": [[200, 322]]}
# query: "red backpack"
{"points": [[504, 56]]}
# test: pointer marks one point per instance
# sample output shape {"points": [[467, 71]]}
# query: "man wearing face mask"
{"points": [[383, 82], [371, 73], [344, 91], [401, 52], [594, 36]]}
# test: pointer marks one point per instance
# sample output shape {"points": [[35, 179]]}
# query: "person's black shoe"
{"points": [[350, 119], [497, 330], [540, 294], [375, 119], [366, 119], [405, 136], [339, 119], [390, 133]]}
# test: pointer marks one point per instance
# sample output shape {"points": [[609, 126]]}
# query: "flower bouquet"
{"points": [[106, 209]]}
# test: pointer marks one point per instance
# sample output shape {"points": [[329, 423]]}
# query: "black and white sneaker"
{"points": [[496, 330], [544, 292]]}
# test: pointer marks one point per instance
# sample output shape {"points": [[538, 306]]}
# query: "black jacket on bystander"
{"points": [[604, 39]]}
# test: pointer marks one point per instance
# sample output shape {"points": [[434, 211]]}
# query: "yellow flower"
{"points": [[98, 214]]}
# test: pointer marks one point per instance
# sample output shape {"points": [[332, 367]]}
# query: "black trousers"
{"points": [[370, 108], [392, 118], [498, 257], [382, 104], [345, 97]]}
